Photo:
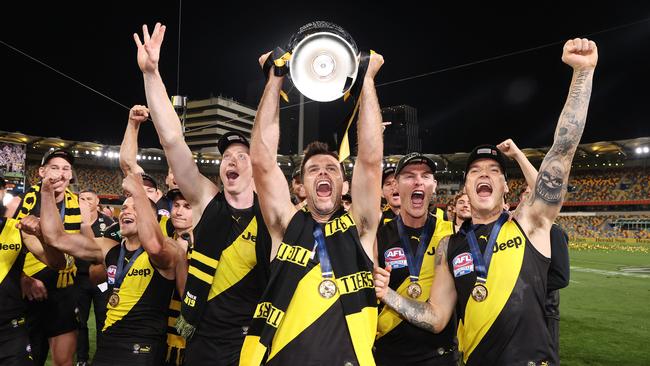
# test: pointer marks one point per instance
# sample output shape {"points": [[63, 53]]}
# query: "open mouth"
{"points": [[232, 175], [484, 190], [396, 194], [323, 189], [417, 197], [127, 220]]}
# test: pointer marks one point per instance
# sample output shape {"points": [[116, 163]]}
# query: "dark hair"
{"points": [[88, 190], [318, 148]]}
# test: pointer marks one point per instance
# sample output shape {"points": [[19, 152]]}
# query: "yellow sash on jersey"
{"points": [[388, 318], [71, 224], [288, 308], [133, 287], [502, 277], [12, 244]]}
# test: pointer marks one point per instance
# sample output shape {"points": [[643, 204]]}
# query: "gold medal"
{"points": [[327, 289], [114, 299], [414, 290], [479, 292]]}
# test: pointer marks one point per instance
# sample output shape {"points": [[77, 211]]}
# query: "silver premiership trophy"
{"points": [[322, 60]]}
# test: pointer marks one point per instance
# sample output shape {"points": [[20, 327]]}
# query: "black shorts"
{"points": [[56, 315], [111, 352], [201, 351], [14, 344]]}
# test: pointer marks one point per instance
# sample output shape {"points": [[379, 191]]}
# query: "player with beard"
{"points": [[319, 307], [391, 195], [141, 272], [499, 298], [52, 322], [462, 210], [406, 246], [229, 231]]}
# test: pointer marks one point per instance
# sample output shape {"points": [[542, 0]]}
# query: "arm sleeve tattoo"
{"points": [[554, 171]]}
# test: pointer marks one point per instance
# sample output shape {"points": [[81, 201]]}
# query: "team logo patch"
{"points": [[395, 257], [463, 264], [110, 272]]}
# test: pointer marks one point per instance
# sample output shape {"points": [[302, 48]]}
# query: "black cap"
{"points": [[486, 152], [3, 183], [57, 153], [388, 170], [148, 181], [415, 158], [230, 138], [172, 194], [296, 173]]}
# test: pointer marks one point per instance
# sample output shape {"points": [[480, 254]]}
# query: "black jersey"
{"points": [[400, 342], [12, 257], [508, 327], [144, 298], [387, 215], [242, 273]]}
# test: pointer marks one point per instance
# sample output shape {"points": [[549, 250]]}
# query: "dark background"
{"points": [[518, 96]]}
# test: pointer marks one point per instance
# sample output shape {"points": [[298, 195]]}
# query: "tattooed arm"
{"points": [[433, 314], [545, 202]]}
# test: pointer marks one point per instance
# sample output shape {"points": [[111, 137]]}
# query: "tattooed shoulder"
{"points": [[441, 251]]}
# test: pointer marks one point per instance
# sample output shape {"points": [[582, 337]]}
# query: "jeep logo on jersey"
{"points": [[395, 257], [139, 272], [110, 273], [516, 242], [15, 247], [463, 264], [248, 236]]}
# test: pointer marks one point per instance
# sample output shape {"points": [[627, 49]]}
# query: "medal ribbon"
{"points": [[121, 269], [482, 262], [324, 258], [415, 263]]}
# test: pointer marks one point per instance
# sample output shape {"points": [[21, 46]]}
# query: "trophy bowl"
{"points": [[324, 61]]}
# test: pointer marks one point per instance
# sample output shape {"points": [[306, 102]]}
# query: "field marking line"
{"points": [[608, 273]]}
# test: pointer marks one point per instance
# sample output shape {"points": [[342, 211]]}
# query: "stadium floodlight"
{"points": [[646, 149], [638, 150]]}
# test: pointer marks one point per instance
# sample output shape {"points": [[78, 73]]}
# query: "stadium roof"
{"points": [[612, 151]]}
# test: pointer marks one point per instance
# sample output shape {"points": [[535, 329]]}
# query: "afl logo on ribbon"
{"points": [[395, 257], [463, 264], [110, 273]]}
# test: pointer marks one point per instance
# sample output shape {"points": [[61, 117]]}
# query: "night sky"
{"points": [[518, 96]]}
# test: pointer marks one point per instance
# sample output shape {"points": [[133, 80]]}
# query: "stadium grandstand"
{"points": [[608, 197]]}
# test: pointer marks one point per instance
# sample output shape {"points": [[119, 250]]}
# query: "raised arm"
{"points": [[129, 147], [510, 149], [76, 245], [197, 189], [162, 252], [275, 200], [433, 314], [366, 178], [545, 202]]}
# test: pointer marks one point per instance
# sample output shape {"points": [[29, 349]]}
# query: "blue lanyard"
{"points": [[324, 258], [62, 210], [415, 263], [482, 262], [121, 269]]}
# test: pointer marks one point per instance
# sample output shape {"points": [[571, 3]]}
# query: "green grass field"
{"points": [[605, 312]]}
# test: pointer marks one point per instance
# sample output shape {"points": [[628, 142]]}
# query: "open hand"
{"points": [[149, 51]]}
